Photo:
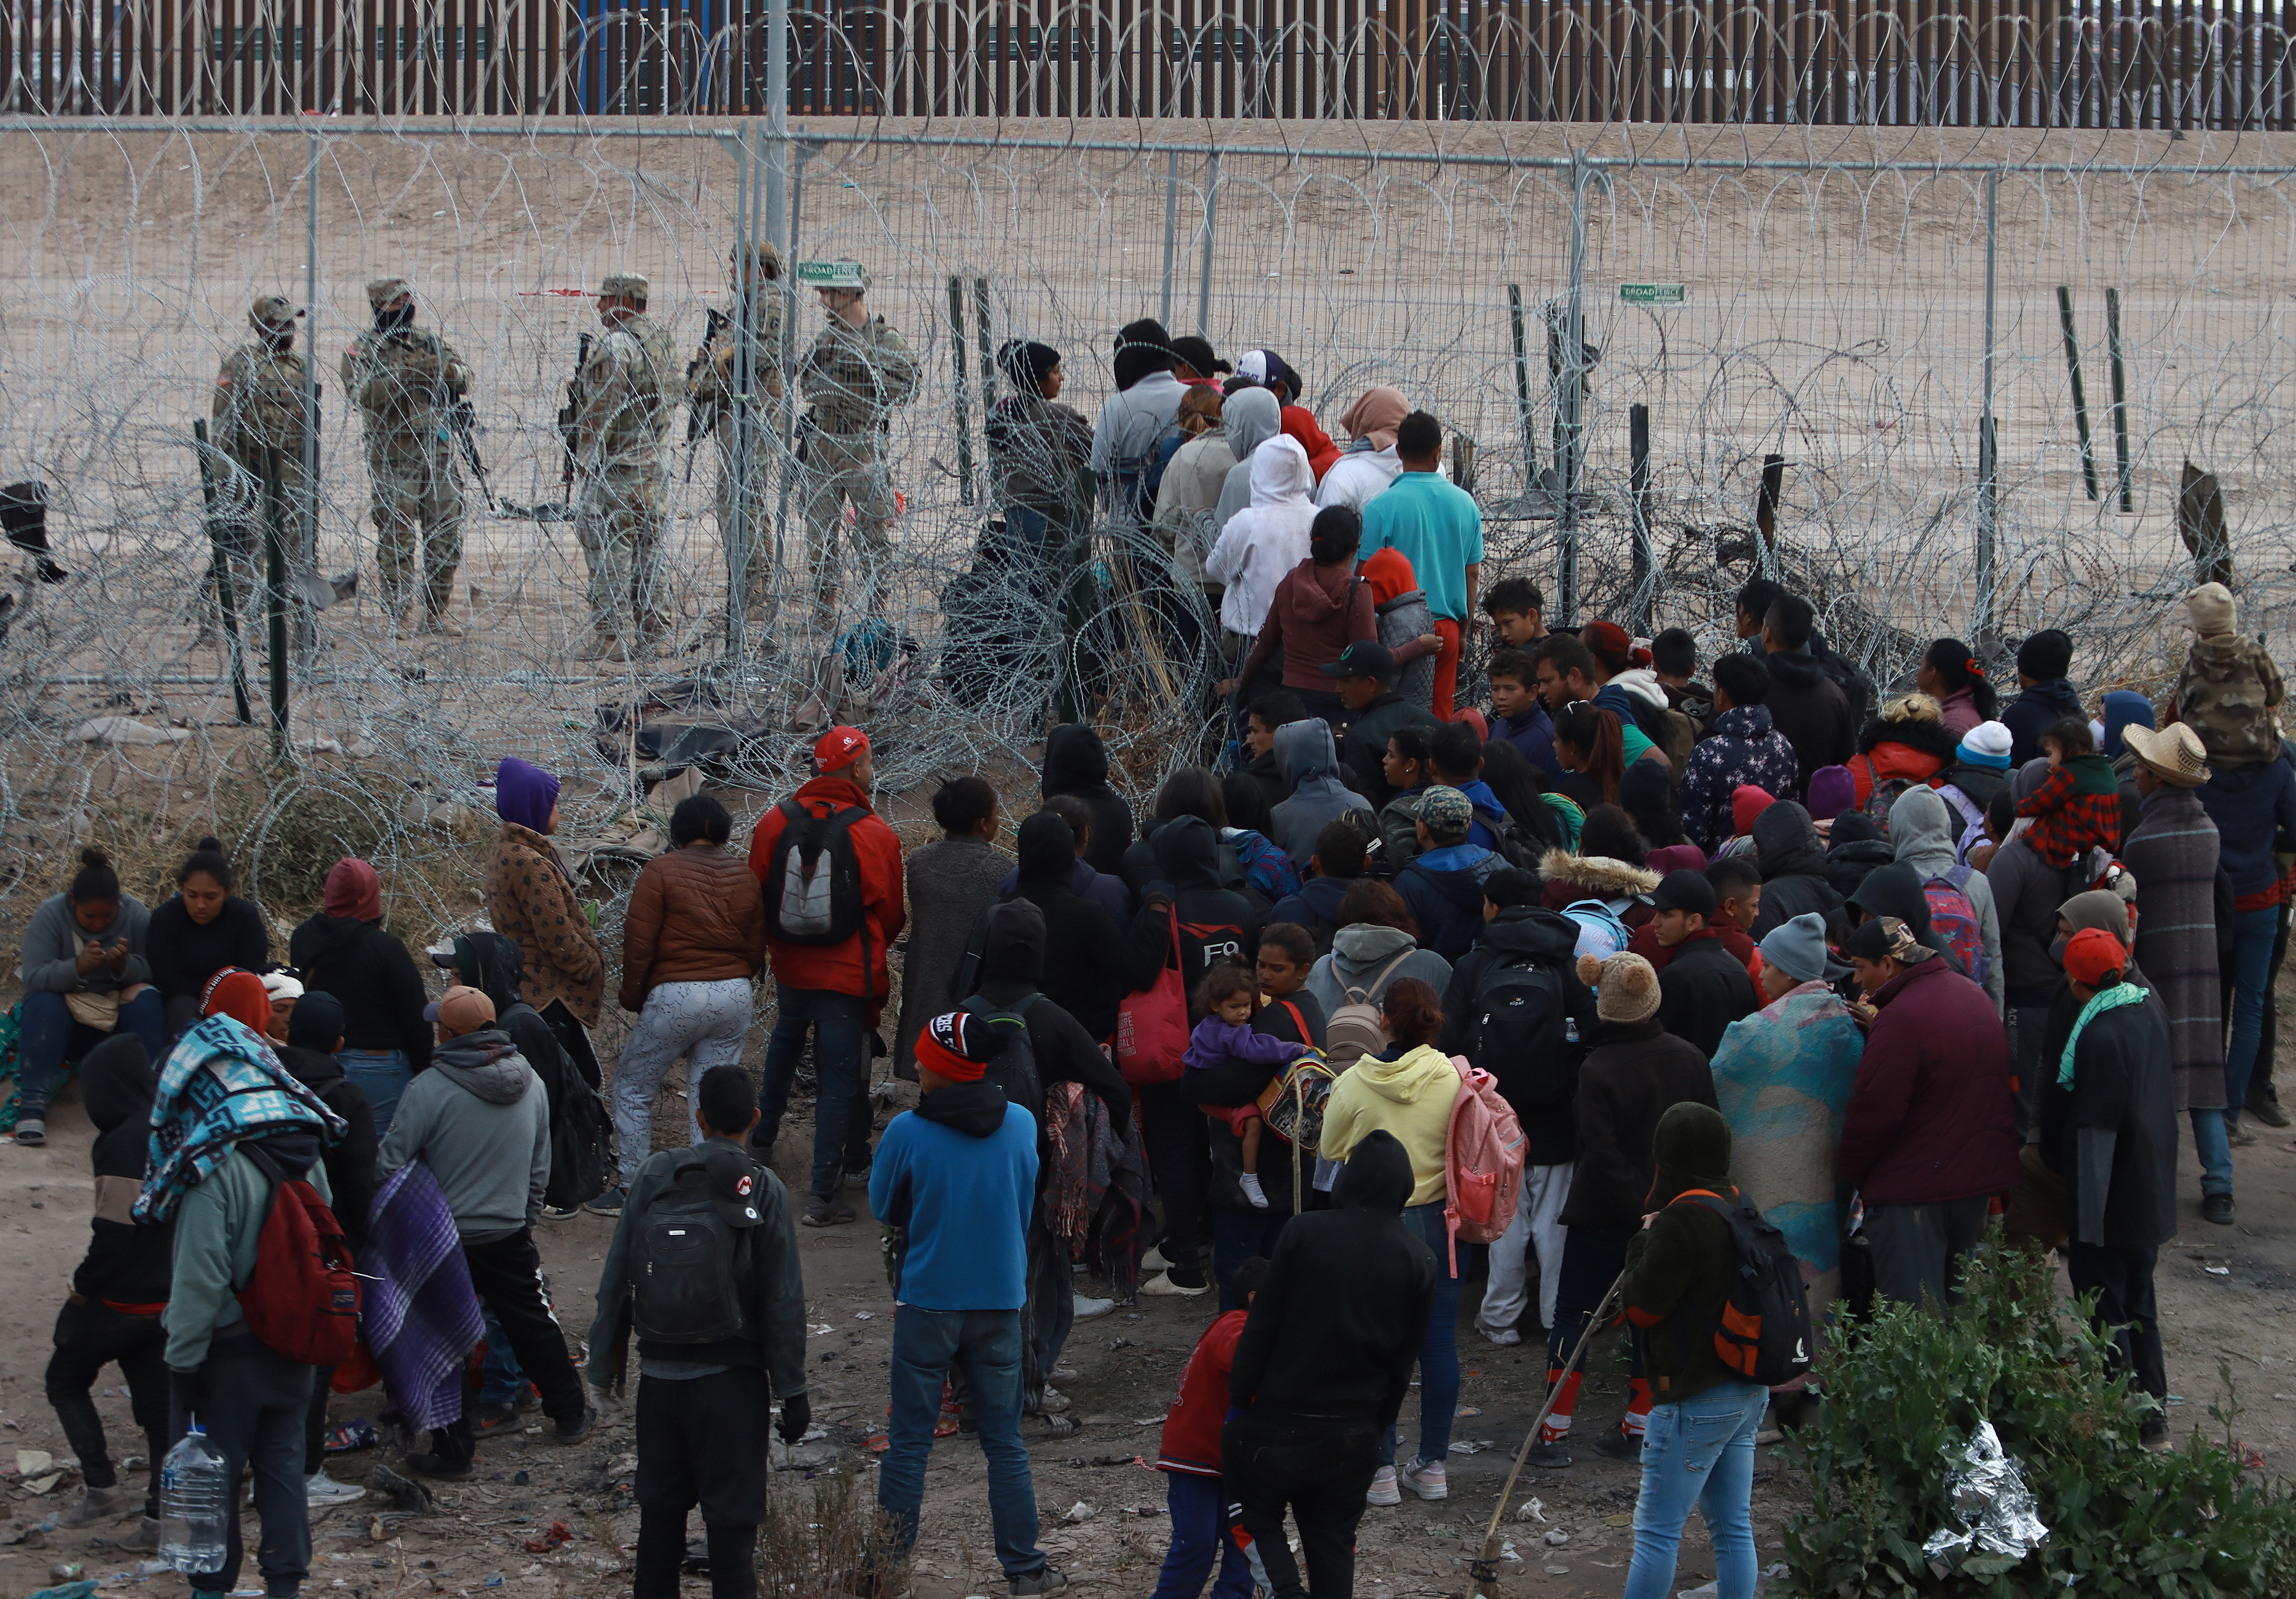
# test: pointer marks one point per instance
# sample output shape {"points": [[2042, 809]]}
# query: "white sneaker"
{"points": [[1501, 1336], [1155, 1261], [1425, 1478], [1161, 1286], [1054, 1402], [1091, 1309], [324, 1490], [1382, 1489]]}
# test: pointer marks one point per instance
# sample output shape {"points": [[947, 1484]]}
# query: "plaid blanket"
{"points": [[418, 1312], [221, 1083]]}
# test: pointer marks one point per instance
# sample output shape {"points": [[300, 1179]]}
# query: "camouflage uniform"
{"points": [[630, 386], [852, 378], [258, 408], [405, 382], [2229, 685], [714, 387]]}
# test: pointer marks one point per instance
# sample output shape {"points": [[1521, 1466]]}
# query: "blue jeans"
{"points": [[501, 1379], [2253, 934], [1439, 1347], [2214, 1149], [840, 1076], [985, 1345], [1199, 1513], [50, 1037], [1699, 1451], [383, 1075]]}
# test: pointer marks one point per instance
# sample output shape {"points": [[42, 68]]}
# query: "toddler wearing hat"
{"points": [[2228, 690]]}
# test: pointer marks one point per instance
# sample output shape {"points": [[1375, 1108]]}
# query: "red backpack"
{"points": [[1152, 1026], [302, 1300], [1482, 1161]]}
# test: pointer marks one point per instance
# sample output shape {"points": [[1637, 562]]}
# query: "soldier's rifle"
{"points": [[700, 417], [569, 426]]}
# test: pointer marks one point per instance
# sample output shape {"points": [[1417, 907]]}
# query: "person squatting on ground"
{"points": [[1698, 1447], [703, 1271], [692, 940], [408, 383], [1320, 1371], [84, 976], [954, 1181], [480, 1118], [858, 371], [828, 958], [628, 390], [228, 1125]]}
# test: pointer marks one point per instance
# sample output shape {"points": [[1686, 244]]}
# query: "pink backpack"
{"points": [[1482, 1161]]}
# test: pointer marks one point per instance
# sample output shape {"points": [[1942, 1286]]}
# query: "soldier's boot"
{"points": [[437, 605]]}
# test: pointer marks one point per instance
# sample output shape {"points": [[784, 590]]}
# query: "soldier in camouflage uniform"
{"points": [[404, 380], [714, 391], [630, 386], [857, 371], [258, 408]]}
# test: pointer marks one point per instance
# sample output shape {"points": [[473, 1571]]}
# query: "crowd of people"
{"points": [[1905, 973]]}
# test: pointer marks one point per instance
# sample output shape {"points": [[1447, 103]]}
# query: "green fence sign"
{"points": [[1651, 294]]}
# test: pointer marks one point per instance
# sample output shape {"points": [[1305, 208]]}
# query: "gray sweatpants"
{"points": [[706, 1022]]}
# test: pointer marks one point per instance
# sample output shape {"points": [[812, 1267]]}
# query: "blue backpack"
{"points": [[1601, 933]]}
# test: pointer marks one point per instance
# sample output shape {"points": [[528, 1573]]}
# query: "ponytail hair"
{"points": [[1335, 535], [1958, 669], [1594, 729], [97, 883]]}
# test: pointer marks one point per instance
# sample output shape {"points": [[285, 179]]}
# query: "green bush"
{"points": [[1902, 1396]]}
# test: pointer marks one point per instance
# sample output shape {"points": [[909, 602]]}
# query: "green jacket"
{"points": [[776, 1313], [217, 1227], [1677, 1279]]}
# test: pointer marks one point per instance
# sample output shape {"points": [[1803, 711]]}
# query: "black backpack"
{"points": [[1522, 1014], [1846, 675], [581, 1146], [690, 1258], [813, 876], [1764, 1336], [1508, 842], [1012, 1060]]}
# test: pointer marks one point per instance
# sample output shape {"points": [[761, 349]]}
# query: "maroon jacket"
{"points": [[1317, 611], [1931, 1118]]}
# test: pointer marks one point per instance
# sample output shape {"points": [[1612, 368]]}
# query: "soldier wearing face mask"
{"points": [[258, 408], [406, 381]]}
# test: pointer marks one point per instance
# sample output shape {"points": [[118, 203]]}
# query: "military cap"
{"points": [[618, 284], [382, 291], [758, 250], [272, 311]]}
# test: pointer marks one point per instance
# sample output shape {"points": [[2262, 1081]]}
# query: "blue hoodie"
{"points": [[2251, 805]]}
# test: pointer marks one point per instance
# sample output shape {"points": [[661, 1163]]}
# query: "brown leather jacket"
{"points": [[696, 916]]}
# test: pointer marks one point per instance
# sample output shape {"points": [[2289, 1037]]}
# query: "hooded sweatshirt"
{"points": [[958, 1176], [1337, 1323], [1813, 713], [2226, 693], [1069, 949], [1922, 832], [1251, 417], [1793, 868], [1405, 1092], [1744, 748], [1215, 924], [1896, 890], [480, 1118], [1678, 1268], [125, 1264], [2026, 892], [1444, 888], [1317, 612], [218, 1227], [2035, 712], [1403, 619], [1076, 762], [1311, 768], [1267, 539], [370, 971], [1361, 954], [349, 1161]]}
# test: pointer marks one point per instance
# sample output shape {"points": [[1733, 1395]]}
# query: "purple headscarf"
{"points": [[524, 794]]}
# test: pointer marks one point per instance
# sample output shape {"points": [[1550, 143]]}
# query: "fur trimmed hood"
{"points": [[1601, 876], [1926, 738]]}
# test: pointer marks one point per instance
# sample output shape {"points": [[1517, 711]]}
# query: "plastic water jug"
{"points": [[195, 1503]]}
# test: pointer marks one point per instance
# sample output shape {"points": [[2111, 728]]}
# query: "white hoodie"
{"points": [[1358, 477], [1267, 538]]}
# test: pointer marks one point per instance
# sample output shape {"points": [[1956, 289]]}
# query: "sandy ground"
{"points": [[1128, 1365]]}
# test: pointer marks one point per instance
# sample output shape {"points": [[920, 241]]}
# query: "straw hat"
{"points": [[2174, 754]]}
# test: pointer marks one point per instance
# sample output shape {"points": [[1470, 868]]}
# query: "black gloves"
{"points": [[189, 1390], [796, 1415]]}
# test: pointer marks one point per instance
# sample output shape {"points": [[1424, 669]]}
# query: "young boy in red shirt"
{"points": [[1190, 1457]]}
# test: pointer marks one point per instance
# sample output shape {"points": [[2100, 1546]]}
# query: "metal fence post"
{"points": [[307, 509], [1988, 457], [735, 497], [787, 453], [1172, 228], [1570, 419], [1645, 557], [963, 419], [1522, 391], [1211, 233], [274, 595], [2120, 396]]}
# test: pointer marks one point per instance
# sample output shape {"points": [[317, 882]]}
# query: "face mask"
{"points": [[390, 322], [279, 343]]}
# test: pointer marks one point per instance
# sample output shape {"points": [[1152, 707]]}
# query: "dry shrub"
{"points": [[818, 1539]]}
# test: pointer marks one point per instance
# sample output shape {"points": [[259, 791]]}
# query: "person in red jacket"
{"points": [[1930, 1135], [836, 990], [1190, 1457]]}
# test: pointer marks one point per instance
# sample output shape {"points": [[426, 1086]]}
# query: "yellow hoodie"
{"points": [[1410, 1097]]}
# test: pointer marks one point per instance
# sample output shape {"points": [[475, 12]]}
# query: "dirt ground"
{"points": [[2224, 1293]]}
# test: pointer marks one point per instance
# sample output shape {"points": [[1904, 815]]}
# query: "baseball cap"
{"points": [[1683, 889], [840, 746], [1264, 367], [1366, 658], [281, 985], [272, 311], [382, 291], [2092, 955], [1447, 813], [461, 1010]]}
